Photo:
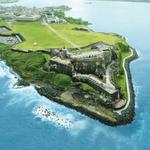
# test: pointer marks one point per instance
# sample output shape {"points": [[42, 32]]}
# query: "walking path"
{"points": [[60, 36]]}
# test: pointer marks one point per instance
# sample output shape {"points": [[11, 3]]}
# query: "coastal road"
{"points": [[60, 36], [127, 83]]}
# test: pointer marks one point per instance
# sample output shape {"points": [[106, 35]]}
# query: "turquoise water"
{"points": [[21, 129]]}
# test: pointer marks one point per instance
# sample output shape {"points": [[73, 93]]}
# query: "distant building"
{"points": [[28, 18]]}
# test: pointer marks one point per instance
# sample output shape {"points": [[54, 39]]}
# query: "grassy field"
{"points": [[83, 38], [3, 23], [120, 79], [38, 36], [30, 66]]}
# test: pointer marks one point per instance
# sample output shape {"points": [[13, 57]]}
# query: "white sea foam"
{"points": [[107, 132], [6, 72], [2, 73], [137, 92], [78, 126], [52, 116], [28, 95], [63, 119], [3, 69]]}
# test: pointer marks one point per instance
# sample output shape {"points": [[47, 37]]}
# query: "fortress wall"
{"points": [[97, 87], [85, 67], [61, 68]]}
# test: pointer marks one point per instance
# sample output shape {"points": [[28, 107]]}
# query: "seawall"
{"points": [[127, 115]]}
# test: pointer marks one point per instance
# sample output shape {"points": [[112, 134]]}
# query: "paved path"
{"points": [[60, 36], [127, 83]]}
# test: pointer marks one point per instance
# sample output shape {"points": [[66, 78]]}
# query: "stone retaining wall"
{"points": [[50, 49], [18, 36], [5, 27], [128, 114]]}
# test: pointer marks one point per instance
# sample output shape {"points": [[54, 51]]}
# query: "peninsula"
{"points": [[69, 63]]}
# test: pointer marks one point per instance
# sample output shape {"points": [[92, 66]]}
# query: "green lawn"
{"points": [[83, 38], [30, 66], [3, 23], [120, 79], [39, 36], [87, 88]]}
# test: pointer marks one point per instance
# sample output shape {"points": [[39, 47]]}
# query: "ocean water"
{"points": [[20, 129]]}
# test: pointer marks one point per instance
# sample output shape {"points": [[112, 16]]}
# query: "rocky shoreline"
{"points": [[82, 110]]}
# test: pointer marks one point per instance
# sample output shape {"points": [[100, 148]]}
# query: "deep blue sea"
{"points": [[20, 129]]}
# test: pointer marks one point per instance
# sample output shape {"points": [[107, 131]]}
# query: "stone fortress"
{"points": [[93, 67]]}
